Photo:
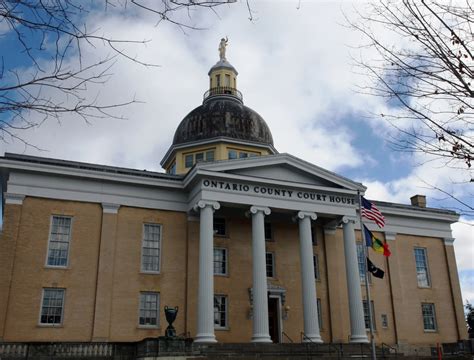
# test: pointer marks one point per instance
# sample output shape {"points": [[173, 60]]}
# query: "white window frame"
{"points": [[49, 241], [143, 248], [362, 264], [207, 155], [367, 315], [273, 264], [433, 309], [235, 154], [427, 268], [62, 308], [144, 293], [226, 313], [226, 262], [186, 156]]}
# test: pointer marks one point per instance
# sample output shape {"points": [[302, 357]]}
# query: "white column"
{"points": [[205, 315], [310, 308], [356, 310], [260, 298]]}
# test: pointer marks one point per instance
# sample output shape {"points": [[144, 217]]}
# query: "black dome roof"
{"points": [[223, 117]]}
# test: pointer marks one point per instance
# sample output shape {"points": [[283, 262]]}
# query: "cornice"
{"points": [[89, 173]]}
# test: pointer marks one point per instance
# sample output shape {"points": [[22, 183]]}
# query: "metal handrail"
{"points": [[286, 335], [337, 349], [223, 90], [384, 345]]}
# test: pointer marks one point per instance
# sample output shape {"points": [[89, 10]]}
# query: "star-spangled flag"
{"points": [[374, 270], [371, 212]]}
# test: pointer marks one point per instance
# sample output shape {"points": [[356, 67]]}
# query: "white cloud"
{"points": [[463, 232], [294, 70]]}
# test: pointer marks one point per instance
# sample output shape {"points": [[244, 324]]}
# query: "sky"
{"points": [[296, 69]]}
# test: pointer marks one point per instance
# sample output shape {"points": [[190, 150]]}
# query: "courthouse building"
{"points": [[250, 244]]}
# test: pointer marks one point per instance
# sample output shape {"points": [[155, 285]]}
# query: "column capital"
{"points": [[255, 209], [347, 219], [449, 241], [13, 199], [302, 214], [109, 208], [201, 204]]}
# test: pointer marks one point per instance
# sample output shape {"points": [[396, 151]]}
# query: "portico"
{"points": [[257, 197]]}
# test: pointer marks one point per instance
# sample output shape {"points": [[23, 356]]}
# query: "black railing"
{"points": [[286, 335], [387, 349], [96, 350], [223, 90]]}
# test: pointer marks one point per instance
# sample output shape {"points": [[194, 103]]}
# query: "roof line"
{"points": [[90, 166]]}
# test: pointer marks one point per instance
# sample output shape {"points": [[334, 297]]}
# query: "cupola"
{"points": [[221, 128]]}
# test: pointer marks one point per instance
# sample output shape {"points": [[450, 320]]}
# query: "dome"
{"points": [[223, 64], [223, 117]]}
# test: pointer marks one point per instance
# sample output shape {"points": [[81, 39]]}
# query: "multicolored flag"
{"points": [[374, 270], [376, 244], [371, 212]]}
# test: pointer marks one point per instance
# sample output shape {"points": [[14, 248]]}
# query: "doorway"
{"points": [[274, 319]]}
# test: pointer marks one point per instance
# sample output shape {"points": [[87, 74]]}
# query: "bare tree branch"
{"points": [[426, 76], [50, 76]]}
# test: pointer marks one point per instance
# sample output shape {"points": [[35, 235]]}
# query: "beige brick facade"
{"points": [[103, 279]]}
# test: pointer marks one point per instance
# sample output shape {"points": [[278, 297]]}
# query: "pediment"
{"points": [[282, 168]]}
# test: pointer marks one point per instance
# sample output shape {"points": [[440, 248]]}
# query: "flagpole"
{"points": [[366, 276]]}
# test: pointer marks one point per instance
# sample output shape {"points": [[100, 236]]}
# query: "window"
{"points": [[227, 80], [232, 154], [316, 266], [210, 155], [219, 227], [421, 261], [384, 320], [52, 307], [220, 311], [172, 170], [361, 261], [149, 305], [59, 238], [199, 157], [268, 231], [429, 318], [320, 316], [218, 80], [253, 154], [220, 261], [270, 262], [243, 155], [151, 248], [366, 314], [189, 160], [314, 239]]}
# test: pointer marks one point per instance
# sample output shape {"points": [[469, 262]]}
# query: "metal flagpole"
{"points": [[366, 276]]}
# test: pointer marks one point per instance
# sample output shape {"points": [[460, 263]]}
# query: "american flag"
{"points": [[371, 212]]}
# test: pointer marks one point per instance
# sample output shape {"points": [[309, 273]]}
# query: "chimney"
{"points": [[418, 200]]}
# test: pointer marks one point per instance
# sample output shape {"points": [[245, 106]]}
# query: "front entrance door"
{"points": [[273, 325]]}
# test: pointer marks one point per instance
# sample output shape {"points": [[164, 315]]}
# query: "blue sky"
{"points": [[295, 70]]}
